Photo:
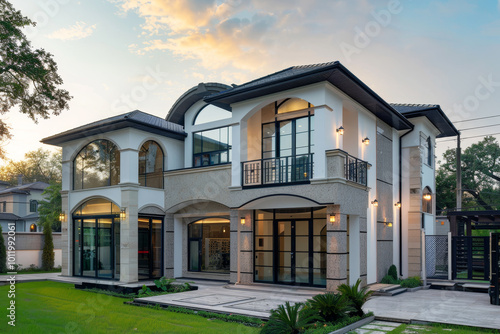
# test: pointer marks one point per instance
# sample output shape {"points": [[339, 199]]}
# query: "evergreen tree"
{"points": [[3, 254], [48, 248]]}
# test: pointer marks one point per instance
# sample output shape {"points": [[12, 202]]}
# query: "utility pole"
{"points": [[459, 174]]}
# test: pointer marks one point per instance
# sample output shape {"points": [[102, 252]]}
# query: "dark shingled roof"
{"points": [[135, 119], [297, 76], [433, 112], [25, 188], [8, 216]]}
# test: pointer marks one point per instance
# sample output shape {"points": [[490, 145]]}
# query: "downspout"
{"points": [[401, 201]]}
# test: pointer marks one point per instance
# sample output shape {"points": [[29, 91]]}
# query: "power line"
{"points": [[492, 134], [475, 119], [478, 127]]}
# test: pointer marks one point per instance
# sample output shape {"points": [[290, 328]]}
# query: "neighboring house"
{"points": [[304, 177], [19, 207]]}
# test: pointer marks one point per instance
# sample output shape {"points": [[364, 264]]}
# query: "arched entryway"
{"points": [[96, 239], [209, 245]]}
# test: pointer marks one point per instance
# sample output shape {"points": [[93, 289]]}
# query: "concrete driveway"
{"points": [[443, 306]]}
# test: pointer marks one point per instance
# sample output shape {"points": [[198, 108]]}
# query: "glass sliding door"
{"points": [[96, 239], [285, 252], [89, 248], [105, 248], [150, 245]]}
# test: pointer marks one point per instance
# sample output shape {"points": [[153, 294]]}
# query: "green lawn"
{"points": [[35, 271], [50, 307], [438, 328]]}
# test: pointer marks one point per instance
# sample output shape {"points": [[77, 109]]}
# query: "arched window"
{"points": [[151, 165], [211, 113], [33, 228], [96, 165], [427, 200]]}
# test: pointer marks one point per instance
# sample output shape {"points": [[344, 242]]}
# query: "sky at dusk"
{"points": [[119, 55]]}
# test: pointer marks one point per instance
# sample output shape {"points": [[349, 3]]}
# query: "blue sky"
{"points": [[119, 55]]}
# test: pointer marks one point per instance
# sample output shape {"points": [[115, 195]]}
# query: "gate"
{"points": [[495, 263], [471, 258], [436, 256]]}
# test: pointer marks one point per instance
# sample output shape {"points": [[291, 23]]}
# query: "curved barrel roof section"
{"points": [[190, 97]]}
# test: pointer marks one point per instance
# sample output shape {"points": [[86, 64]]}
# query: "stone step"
{"points": [[389, 291]]}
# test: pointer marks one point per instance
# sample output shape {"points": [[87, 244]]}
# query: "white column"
{"points": [[129, 166], [238, 140]]}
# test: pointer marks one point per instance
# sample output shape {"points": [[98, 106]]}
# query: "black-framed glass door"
{"points": [[150, 245], [96, 247], [292, 254], [290, 246]]}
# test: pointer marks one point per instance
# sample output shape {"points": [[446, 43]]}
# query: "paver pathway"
{"points": [[376, 327]]}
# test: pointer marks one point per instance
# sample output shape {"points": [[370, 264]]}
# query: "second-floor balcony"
{"points": [[273, 171], [299, 169]]}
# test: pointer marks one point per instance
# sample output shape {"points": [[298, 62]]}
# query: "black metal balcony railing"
{"points": [[356, 170], [292, 169]]}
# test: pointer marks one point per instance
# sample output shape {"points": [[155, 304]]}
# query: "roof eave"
{"points": [[451, 132], [116, 125]]}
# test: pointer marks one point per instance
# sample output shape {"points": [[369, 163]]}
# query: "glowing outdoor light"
{"points": [[340, 130], [366, 141]]}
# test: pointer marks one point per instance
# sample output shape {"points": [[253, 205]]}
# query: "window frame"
{"points": [[110, 148], [145, 174], [33, 204], [209, 153]]}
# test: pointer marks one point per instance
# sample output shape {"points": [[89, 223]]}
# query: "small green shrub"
{"points": [[388, 279], [48, 248], [393, 271], [290, 319], [358, 297], [328, 328], [164, 283], [411, 282], [331, 306]]}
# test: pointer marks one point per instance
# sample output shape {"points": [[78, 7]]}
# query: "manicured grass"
{"points": [[439, 328], [51, 307], [34, 271]]}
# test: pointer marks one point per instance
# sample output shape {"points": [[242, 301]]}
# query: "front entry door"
{"points": [[149, 248], [292, 253]]}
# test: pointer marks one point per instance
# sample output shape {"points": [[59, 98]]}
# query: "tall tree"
{"points": [[28, 76], [38, 165], [48, 248], [480, 177], [50, 208]]}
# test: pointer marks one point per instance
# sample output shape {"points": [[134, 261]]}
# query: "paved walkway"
{"points": [[376, 327], [442, 306], [251, 300]]}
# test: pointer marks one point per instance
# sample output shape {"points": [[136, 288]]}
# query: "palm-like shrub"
{"points": [[355, 295], [289, 319], [330, 306]]}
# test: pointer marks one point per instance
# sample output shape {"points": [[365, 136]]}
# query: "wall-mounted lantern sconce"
{"points": [[375, 203], [366, 141], [388, 224], [32, 228], [340, 130], [242, 221], [397, 205], [123, 213], [427, 197], [61, 216], [332, 218]]}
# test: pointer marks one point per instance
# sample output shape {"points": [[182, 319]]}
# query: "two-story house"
{"points": [[19, 205], [305, 177]]}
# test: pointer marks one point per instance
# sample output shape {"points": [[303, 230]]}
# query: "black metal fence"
{"points": [[495, 264], [356, 170], [471, 258], [436, 256]]}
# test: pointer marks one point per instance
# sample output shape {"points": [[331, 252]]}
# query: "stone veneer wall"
{"points": [[415, 213], [385, 177]]}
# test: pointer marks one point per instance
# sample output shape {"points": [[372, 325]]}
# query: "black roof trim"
{"points": [[433, 112], [135, 119], [297, 76], [191, 96]]}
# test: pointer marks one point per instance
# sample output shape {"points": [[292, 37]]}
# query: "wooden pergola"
{"points": [[463, 222]]}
